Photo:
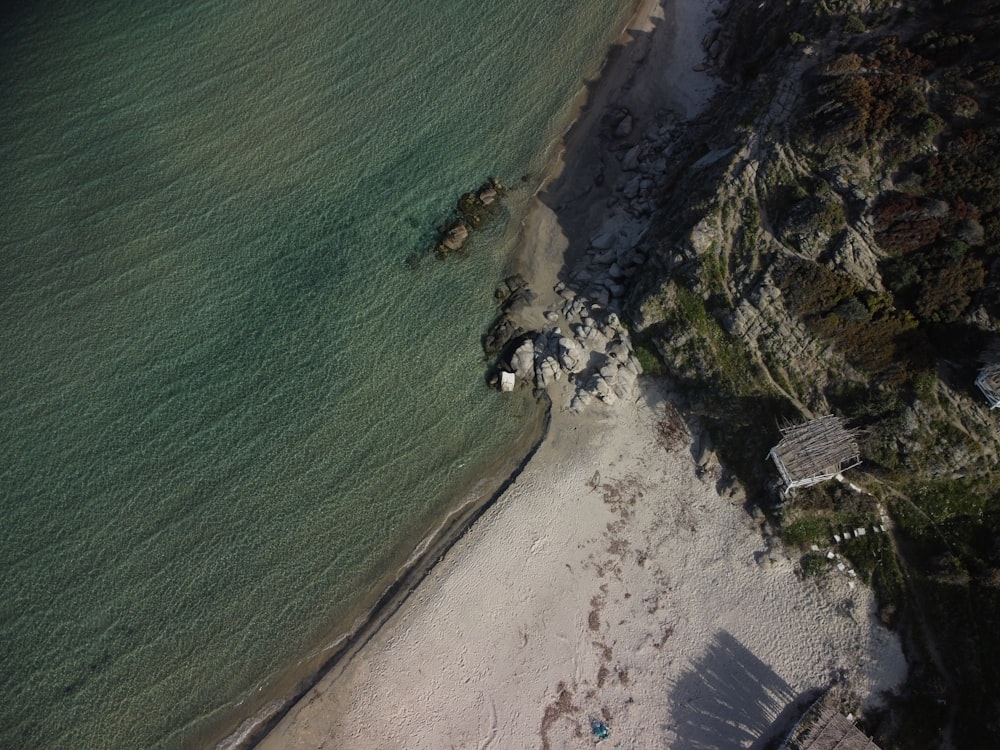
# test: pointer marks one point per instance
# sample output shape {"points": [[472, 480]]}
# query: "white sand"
{"points": [[609, 581], [612, 580]]}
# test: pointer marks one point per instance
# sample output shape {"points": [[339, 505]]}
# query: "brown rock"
{"points": [[455, 237]]}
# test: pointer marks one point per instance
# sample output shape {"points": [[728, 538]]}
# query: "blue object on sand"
{"points": [[600, 729]]}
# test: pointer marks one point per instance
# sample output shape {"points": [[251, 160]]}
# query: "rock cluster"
{"points": [[585, 340], [588, 344], [616, 253], [474, 211], [516, 298]]}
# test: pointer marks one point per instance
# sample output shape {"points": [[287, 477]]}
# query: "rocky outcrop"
{"points": [[475, 209], [454, 238], [515, 297], [587, 345]]}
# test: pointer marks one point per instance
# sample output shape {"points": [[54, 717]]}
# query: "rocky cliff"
{"points": [[826, 239]]}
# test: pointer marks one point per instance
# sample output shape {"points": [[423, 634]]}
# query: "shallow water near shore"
{"points": [[231, 405]]}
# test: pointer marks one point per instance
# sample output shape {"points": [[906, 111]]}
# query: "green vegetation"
{"points": [[854, 25], [865, 326], [648, 358], [814, 564], [896, 139], [728, 360], [713, 272]]}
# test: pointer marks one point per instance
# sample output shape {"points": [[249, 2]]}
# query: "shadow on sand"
{"points": [[592, 173], [730, 699]]}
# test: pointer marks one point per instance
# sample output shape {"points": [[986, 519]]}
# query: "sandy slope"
{"points": [[614, 579]]}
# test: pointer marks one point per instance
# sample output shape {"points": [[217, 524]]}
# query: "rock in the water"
{"points": [[455, 237], [501, 334], [519, 301]]}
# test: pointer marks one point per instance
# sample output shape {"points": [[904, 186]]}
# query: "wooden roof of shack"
{"points": [[989, 383], [814, 451], [824, 728]]}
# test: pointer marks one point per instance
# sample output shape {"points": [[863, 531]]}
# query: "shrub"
{"points": [[946, 292], [811, 288], [649, 358], [854, 25], [804, 530], [813, 564]]}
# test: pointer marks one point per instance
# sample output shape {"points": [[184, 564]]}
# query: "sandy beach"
{"points": [[618, 578]]}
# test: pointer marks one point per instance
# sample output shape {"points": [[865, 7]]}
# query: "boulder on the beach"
{"points": [[548, 372], [618, 351], [522, 361], [570, 355], [624, 127], [602, 241], [580, 401], [630, 161], [631, 189]]}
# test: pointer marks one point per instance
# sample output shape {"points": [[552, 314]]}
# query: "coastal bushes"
{"points": [[895, 140], [865, 326], [805, 530], [649, 358], [813, 564]]}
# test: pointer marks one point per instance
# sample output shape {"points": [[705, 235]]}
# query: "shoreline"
{"points": [[615, 579], [253, 730], [615, 568]]}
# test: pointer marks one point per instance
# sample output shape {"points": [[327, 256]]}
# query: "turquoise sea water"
{"points": [[228, 405]]}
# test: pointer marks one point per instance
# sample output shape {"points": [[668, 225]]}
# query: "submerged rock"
{"points": [[474, 210]]}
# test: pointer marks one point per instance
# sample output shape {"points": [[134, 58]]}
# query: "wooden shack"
{"points": [[989, 383], [814, 451], [825, 728]]}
